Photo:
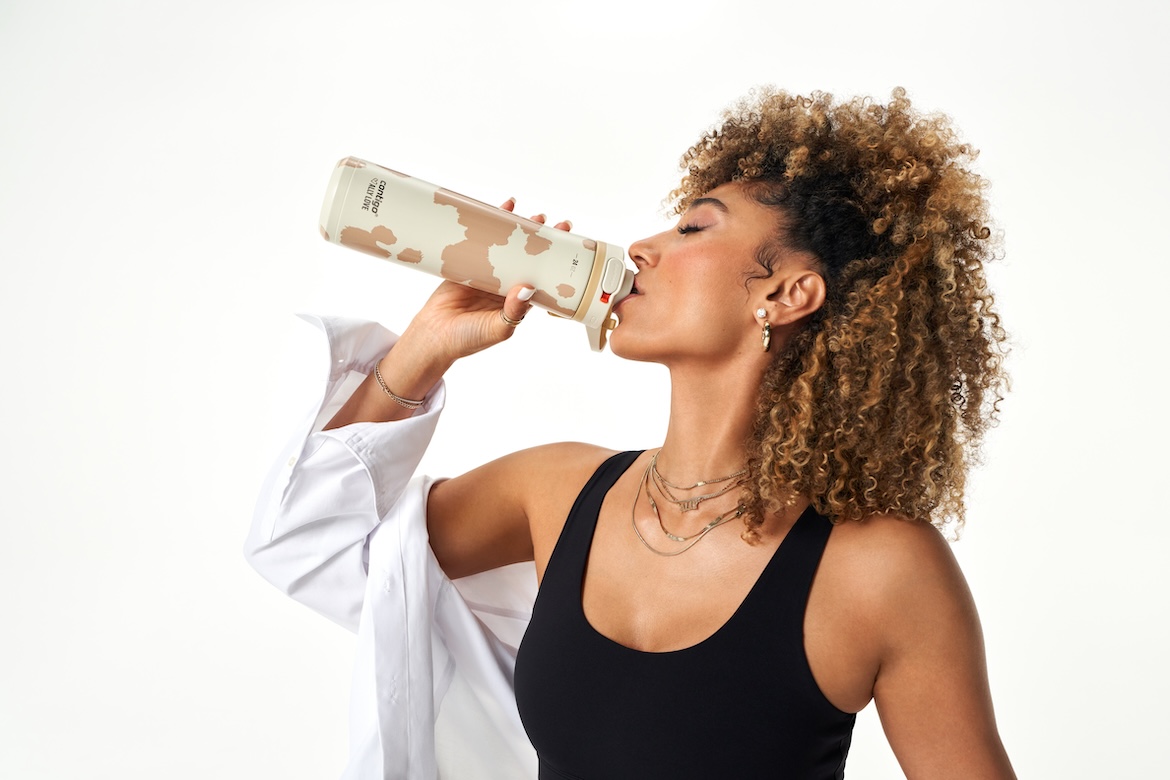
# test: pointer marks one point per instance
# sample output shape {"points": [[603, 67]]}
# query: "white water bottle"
{"points": [[419, 225]]}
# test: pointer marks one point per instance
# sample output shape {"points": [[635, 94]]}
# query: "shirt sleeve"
{"points": [[328, 490]]}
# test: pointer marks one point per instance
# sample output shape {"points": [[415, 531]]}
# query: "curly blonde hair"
{"points": [[879, 405]]}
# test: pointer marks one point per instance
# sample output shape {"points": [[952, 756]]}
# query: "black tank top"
{"points": [[740, 704]]}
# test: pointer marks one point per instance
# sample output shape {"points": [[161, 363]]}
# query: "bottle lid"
{"points": [[609, 282]]}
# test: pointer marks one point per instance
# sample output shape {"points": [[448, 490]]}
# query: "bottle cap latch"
{"points": [[615, 271], [615, 285]]}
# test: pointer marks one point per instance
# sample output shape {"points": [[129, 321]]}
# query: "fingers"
{"points": [[516, 305], [564, 224]]}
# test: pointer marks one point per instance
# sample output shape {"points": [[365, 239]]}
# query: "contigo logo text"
{"points": [[374, 193]]}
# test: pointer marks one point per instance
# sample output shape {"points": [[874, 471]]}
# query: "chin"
{"points": [[625, 344]]}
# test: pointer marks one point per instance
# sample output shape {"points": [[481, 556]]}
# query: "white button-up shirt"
{"points": [[341, 527]]}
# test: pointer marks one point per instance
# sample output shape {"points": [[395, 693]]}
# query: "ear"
{"points": [[791, 298]]}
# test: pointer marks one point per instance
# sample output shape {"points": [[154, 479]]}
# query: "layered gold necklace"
{"points": [[653, 478]]}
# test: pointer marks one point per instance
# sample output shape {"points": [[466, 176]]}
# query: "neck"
{"points": [[711, 417]]}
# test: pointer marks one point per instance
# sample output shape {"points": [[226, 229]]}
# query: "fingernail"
{"points": [[540, 217], [526, 293], [568, 224]]}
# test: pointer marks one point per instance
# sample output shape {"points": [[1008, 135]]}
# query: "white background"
{"points": [[161, 169]]}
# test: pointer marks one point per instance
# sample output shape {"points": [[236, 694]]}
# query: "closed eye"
{"points": [[684, 229]]}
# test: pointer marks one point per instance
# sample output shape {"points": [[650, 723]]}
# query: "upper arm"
{"points": [[508, 510], [931, 690]]}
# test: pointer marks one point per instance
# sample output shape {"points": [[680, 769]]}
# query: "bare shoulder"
{"points": [[549, 470], [895, 584], [890, 557], [899, 581], [555, 474], [510, 509], [558, 457], [524, 477], [888, 534]]}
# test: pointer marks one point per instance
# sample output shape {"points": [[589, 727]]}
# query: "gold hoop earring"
{"points": [[767, 336]]}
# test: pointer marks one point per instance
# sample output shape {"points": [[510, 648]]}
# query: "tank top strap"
{"points": [[783, 587], [802, 549]]}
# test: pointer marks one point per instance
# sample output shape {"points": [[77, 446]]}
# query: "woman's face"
{"points": [[693, 299]]}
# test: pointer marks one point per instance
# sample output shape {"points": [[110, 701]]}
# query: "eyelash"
{"points": [[684, 229]]}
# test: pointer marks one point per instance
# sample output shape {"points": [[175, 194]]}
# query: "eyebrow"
{"points": [[709, 202]]}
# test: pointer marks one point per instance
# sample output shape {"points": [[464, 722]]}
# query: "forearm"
{"points": [[455, 322], [410, 371]]}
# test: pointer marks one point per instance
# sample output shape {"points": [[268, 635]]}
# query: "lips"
{"points": [[634, 291]]}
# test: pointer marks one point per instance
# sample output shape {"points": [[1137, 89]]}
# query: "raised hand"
{"points": [[456, 321]]}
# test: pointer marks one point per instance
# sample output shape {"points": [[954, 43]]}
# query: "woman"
{"points": [[722, 604]]}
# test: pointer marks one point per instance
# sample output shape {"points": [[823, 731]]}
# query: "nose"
{"points": [[643, 252]]}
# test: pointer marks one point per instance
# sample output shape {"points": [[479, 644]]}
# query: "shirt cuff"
{"points": [[389, 451]]}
